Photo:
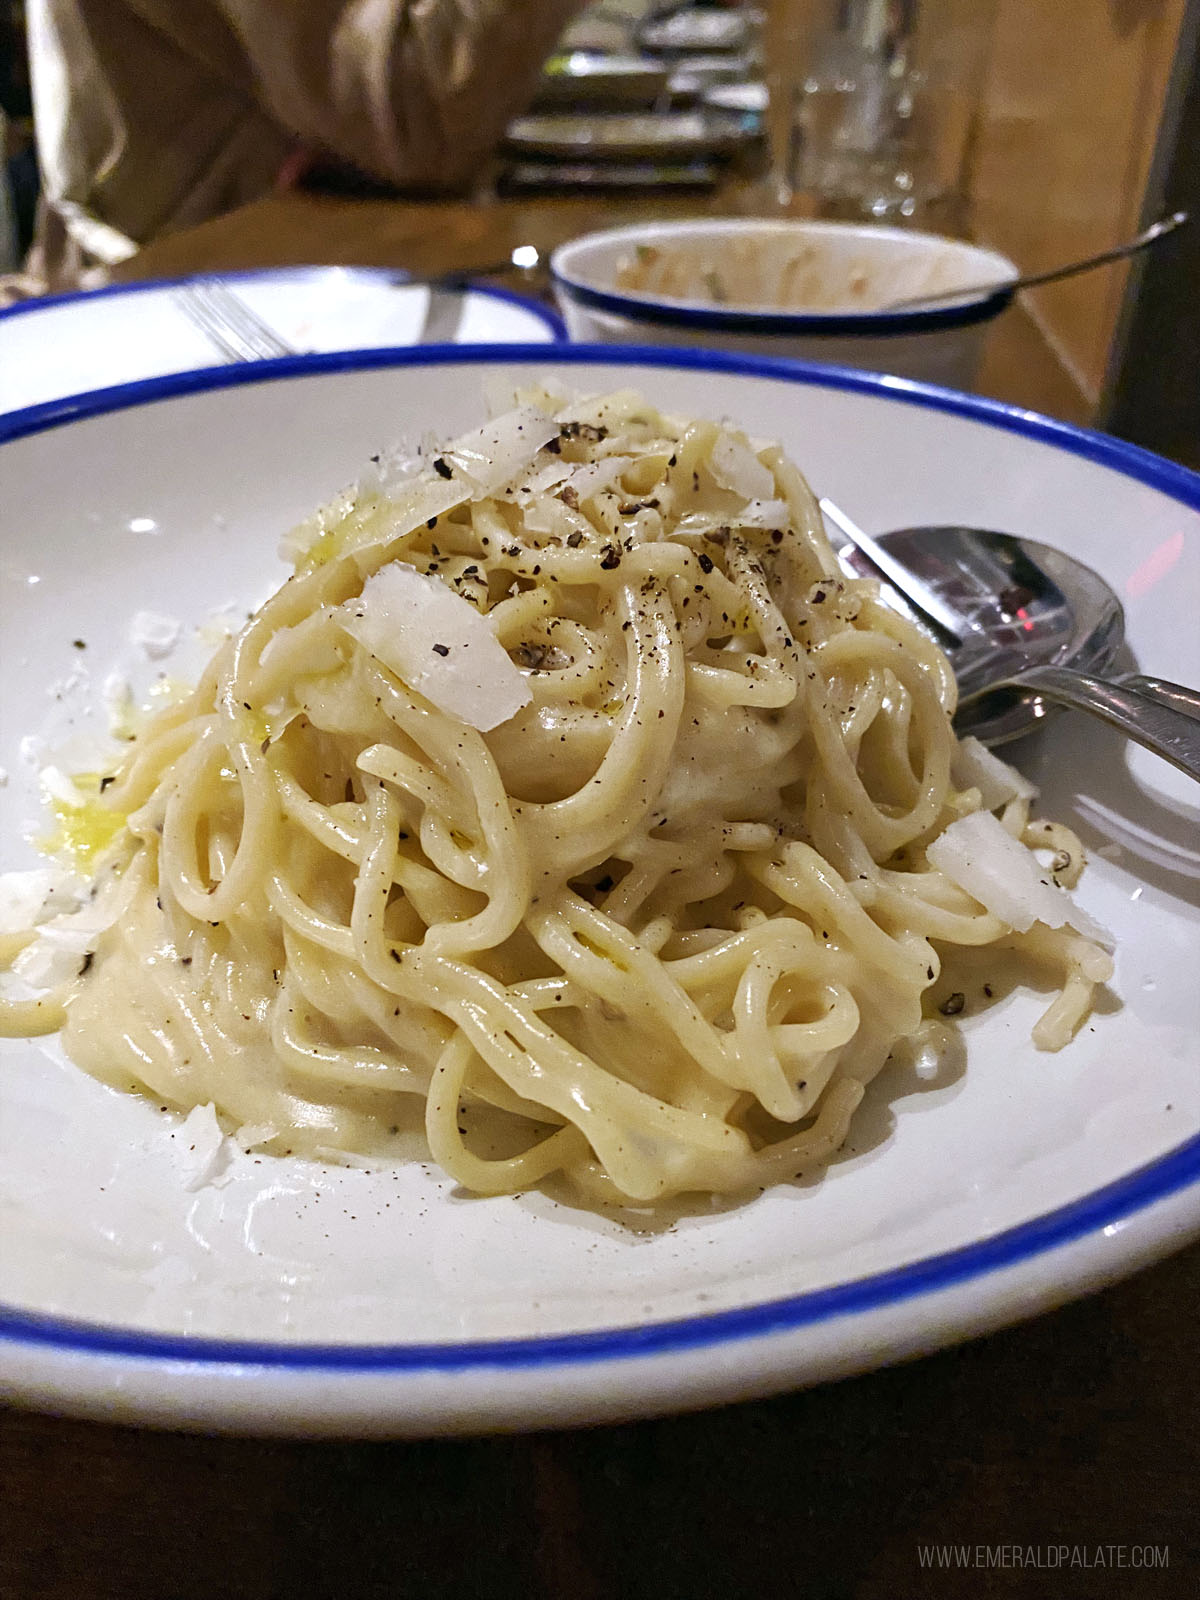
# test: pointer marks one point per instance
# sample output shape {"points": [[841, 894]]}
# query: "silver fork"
{"points": [[228, 323]]}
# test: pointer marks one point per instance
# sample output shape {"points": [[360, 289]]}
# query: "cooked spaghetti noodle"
{"points": [[638, 892]]}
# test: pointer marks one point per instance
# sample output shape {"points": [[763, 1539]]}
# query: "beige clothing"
{"points": [[153, 115]]}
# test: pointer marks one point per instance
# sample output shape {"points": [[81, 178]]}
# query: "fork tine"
{"points": [[229, 323], [247, 322], [197, 314], [919, 595]]}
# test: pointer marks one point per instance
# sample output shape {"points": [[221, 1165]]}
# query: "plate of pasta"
{"points": [[497, 928]]}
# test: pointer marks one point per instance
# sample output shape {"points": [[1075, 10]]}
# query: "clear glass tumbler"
{"points": [[884, 109]]}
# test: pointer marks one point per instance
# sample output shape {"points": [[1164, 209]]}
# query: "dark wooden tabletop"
{"points": [[1060, 1458]]}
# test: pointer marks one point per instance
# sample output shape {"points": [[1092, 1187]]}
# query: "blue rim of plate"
{"points": [[1114, 1203], [397, 277]]}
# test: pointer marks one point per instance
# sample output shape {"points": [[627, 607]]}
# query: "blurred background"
{"points": [[1046, 132]]}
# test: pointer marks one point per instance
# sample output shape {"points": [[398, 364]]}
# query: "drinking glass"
{"points": [[883, 112]]}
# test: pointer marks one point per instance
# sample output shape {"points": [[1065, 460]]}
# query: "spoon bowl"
{"points": [[1018, 604], [1027, 629]]}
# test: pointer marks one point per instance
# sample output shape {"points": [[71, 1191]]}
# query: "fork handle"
{"points": [[1168, 694], [1156, 723]]}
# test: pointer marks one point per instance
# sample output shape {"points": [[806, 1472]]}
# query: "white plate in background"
{"points": [[626, 135], [73, 344], [580, 78], [297, 1299], [694, 30]]}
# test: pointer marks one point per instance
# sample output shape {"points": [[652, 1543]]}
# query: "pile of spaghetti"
{"points": [[568, 798]]}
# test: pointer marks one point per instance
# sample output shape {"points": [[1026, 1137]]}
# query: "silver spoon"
{"points": [[1023, 625], [1010, 286]]}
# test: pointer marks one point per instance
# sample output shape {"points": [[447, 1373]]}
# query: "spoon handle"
{"points": [[1148, 236], [1031, 280], [1156, 724]]}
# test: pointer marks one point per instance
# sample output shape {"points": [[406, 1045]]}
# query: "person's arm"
{"points": [[154, 115], [416, 92]]}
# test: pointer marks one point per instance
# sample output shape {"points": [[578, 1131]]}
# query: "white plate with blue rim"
{"points": [[73, 344], [309, 1300]]}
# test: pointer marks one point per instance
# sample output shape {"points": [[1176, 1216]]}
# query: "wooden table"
{"points": [[429, 237], [1077, 1431]]}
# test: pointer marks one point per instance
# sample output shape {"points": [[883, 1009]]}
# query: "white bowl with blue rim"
{"points": [[814, 291], [297, 1298]]}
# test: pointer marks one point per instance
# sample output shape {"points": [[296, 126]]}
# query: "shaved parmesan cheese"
{"points": [[154, 635], [611, 411], [27, 898], [763, 514], [32, 751], [365, 519], [735, 466], [438, 644], [200, 1149], [543, 480], [57, 954], [117, 695], [973, 766], [492, 456], [979, 855], [549, 516], [57, 786], [413, 507]]}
